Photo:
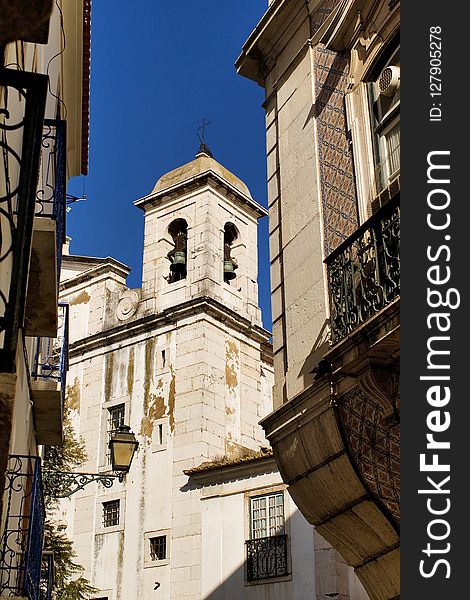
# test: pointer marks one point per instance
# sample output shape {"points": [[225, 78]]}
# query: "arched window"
{"points": [[178, 230], [230, 235]]}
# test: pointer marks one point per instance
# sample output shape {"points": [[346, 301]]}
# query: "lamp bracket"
{"points": [[66, 483]]}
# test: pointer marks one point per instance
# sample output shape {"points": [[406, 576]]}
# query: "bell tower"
{"points": [[201, 234]]}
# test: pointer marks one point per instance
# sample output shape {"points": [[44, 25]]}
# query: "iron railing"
{"points": [[364, 271], [51, 360], [51, 192], [46, 585], [266, 558], [23, 533], [22, 104]]}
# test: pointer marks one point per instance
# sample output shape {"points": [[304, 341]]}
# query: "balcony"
{"points": [[47, 576], [266, 558], [48, 233], [22, 102], [337, 443], [364, 271], [48, 381], [23, 533]]}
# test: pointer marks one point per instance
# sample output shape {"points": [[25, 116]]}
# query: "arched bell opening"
{"points": [[230, 265], [178, 255]]}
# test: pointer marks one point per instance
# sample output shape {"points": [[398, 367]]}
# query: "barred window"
{"points": [[158, 547], [115, 417], [111, 513]]}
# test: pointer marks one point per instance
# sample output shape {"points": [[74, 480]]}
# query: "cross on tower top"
{"points": [[203, 148]]}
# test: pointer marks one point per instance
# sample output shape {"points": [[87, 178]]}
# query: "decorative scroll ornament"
{"points": [[65, 483], [383, 386], [127, 305], [267, 557], [364, 272]]}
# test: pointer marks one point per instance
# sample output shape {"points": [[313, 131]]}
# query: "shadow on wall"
{"points": [[298, 566], [319, 348], [269, 572]]}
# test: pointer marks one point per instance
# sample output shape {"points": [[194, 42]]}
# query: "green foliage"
{"points": [[68, 457], [65, 568]]}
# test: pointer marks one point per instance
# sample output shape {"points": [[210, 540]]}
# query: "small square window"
{"points": [[115, 417], [160, 434], [111, 513], [158, 547]]}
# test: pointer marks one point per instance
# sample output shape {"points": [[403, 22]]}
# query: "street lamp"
{"points": [[122, 446]]}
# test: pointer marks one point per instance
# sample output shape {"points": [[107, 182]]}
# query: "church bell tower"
{"points": [[201, 239]]}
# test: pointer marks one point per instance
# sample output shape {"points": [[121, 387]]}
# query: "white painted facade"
{"points": [[188, 366]]}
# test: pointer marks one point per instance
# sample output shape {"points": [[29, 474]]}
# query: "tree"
{"points": [[67, 457]]}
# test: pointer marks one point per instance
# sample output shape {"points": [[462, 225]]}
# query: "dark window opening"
{"points": [[111, 513], [158, 547], [230, 265], [178, 256]]}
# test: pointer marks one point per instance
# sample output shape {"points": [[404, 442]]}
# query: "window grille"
{"points": [[111, 513], [158, 547]]}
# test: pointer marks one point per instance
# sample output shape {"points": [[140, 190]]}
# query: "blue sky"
{"points": [[157, 69]]}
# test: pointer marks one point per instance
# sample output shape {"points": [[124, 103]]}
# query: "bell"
{"points": [[229, 270], [179, 262]]}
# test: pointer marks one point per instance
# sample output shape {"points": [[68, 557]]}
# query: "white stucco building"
{"points": [[185, 362]]}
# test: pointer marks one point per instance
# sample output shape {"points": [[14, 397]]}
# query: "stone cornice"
{"points": [[207, 178], [103, 266], [170, 316], [227, 472], [256, 58]]}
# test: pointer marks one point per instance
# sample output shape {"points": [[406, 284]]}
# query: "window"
{"points": [[267, 515], [158, 547], [385, 101], [116, 416], [111, 513], [160, 434], [267, 546]]}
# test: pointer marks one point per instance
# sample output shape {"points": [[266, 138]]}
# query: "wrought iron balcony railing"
{"points": [[47, 576], [266, 558], [22, 104], [51, 360], [364, 271], [51, 192], [23, 534]]}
